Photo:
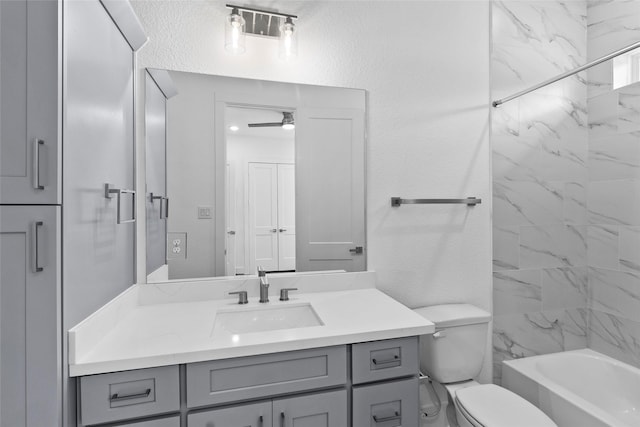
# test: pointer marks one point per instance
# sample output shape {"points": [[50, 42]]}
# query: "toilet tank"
{"points": [[456, 350]]}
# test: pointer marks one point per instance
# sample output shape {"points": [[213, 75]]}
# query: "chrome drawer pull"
{"points": [[116, 398], [37, 267], [385, 361], [166, 207], [109, 190], [394, 417], [38, 143]]}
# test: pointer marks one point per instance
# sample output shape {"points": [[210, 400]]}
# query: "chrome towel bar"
{"points": [[469, 201]]}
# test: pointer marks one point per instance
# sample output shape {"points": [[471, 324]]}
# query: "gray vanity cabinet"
{"points": [[29, 84], [30, 358], [303, 388]]}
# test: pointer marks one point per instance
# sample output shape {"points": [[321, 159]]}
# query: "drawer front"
{"points": [[313, 410], [382, 360], [161, 422], [253, 415], [129, 394], [390, 404], [251, 377]]}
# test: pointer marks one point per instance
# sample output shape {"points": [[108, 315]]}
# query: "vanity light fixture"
{"points": [[263, 23]]}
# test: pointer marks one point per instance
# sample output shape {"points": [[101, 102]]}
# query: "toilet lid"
{"points": [[493, 406]]}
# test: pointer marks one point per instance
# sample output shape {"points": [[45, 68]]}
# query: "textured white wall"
{"points": [[425, 66]]}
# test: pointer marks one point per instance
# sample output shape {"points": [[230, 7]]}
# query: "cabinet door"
{"points": [[254, 415], [30, 351], [316, 410], [98, 123], [29, 86]]}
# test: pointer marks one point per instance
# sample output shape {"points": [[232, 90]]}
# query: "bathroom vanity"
{"points": [[176, 354]]}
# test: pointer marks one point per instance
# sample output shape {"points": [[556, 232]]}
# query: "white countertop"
{"points": [[128, 335]]}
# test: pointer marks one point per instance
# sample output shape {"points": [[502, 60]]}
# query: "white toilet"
{"points": [[453, 356]]}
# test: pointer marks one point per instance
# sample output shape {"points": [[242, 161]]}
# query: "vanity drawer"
{"points": [[381, 360], [389, 404], [129, 394], [251, 377]]}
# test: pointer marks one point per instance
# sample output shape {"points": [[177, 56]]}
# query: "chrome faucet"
{"points": [[264, 285]]}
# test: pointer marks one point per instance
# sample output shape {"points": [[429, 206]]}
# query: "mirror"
{"points": [[244, 173]]}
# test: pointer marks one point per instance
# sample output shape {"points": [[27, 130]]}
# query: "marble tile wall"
{"points": [[613, 202], [540, 175]]}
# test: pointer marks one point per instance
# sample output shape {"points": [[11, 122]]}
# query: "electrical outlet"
{"points": [[176, 245]]}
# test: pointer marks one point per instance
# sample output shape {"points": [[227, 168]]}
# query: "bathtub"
{"points": [[580, 388]]}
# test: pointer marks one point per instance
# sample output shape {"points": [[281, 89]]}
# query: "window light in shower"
{"points": [[234, 41], [626, 69]]}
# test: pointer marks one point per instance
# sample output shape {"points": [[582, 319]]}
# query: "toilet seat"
{"points": [[492, 406]]}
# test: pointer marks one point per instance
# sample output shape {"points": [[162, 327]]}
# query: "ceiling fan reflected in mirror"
{"points": [[287, 122]]}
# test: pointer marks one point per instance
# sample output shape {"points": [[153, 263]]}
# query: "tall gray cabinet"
{"points": [[66, 234]]}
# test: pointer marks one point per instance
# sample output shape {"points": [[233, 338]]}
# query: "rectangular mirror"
{"points": [[244, 173]]}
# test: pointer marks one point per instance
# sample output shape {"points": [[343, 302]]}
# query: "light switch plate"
{"points": [[205, 212]]}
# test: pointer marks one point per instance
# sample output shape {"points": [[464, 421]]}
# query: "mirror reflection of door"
{"points": [[230, 219], [260, 191]]}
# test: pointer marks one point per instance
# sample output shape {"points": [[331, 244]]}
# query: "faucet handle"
{"points": [[242, 296], [261, 272], [284, 293]]}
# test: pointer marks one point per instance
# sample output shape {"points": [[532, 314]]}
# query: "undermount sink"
{"points": [[261, 319]]}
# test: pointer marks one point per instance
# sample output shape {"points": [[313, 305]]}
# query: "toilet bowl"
{"points": [[453, 356]]}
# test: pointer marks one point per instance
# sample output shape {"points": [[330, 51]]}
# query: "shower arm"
{"points": [[567, 74]]}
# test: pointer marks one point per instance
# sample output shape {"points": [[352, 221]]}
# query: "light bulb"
{"points": [[288, 39], [234, 33]]}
